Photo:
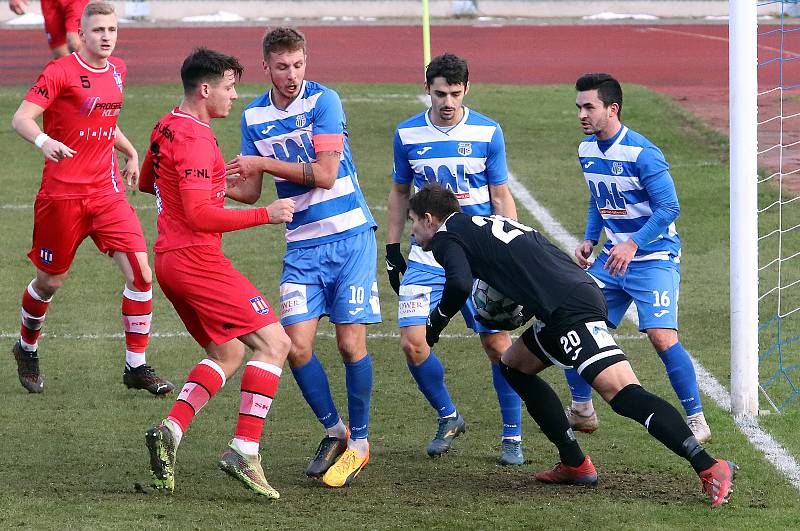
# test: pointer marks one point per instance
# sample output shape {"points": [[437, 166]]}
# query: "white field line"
{"points": [[233, 206], [711, 387], [717, 38], [327, 335]]}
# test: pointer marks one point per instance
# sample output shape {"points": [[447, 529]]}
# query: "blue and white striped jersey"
{"points": [[631, 195], [314, 119], [466, 159]]}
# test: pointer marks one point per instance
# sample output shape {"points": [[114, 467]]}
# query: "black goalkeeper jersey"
{"points": [[512, 258]]}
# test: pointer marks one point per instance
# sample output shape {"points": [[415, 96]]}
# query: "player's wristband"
{"points": [[40, 139]]}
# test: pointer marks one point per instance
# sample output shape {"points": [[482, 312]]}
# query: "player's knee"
{"points": [[495, 344], [416, 351], [352, 350], [279, 345], [662, 338], [47, 285]]}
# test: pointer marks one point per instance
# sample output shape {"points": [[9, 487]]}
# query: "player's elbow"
{"points": [[16, 121], [461, 287], [249, 197], [326, 180], [196, 221]]}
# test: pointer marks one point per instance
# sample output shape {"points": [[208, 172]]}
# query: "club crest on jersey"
{"points": [[46, 255], [260, 305], [300, 120], [118, 80], [617, 168], [464, 149]]}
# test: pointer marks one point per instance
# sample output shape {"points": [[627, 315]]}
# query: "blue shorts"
{"points": [[420, 292], [652, 285], [336, 279]]}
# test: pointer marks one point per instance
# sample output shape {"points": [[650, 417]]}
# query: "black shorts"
{"points": [[577, 336]]}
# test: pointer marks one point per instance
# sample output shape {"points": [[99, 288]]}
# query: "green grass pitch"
{"points": [[71, 456]]}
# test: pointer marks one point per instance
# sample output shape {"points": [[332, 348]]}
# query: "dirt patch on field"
{"points": [[778, 131]]}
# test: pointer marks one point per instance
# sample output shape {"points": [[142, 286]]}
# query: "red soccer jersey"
{"points": [[183, 155], [82, 104]]}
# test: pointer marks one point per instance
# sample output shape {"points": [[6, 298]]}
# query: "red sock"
{"points": [[203, 382], [137, 308], [259, 384], [34, 310]]}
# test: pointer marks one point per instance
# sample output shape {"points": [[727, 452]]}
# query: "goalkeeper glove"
{"points": [[512, 323], [436, 323], [395, 265]]}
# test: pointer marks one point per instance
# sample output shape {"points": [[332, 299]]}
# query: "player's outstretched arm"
{"points": [[202, 216], [24, 123], [18, 6], [130, 171]]}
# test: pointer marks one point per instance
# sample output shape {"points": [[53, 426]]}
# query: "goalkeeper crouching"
{"points": [[570, 331]]}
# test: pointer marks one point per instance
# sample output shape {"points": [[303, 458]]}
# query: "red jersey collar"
{"points": [[88, 67]]}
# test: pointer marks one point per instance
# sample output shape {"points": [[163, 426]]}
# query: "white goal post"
{"points": [[743, 97]]}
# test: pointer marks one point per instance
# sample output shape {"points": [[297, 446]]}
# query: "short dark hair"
{"points": [[435, 199], [97, 8], [282, 39], [608, 89], [449, 66], [204, 64]]}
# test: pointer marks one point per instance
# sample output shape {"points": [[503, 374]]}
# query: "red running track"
{"points": [[669, 58]]}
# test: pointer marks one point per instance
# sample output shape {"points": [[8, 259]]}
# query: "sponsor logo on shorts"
{"points": [[293, 299], [599, 331], [46, 255], [356, 311], [415, 301], [374, 299], [660, 313], [260, 305]]}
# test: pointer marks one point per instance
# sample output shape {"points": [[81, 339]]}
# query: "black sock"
{"points": [[662, 422], [546, 409]]}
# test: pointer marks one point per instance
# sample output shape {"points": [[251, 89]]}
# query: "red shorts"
{"points": [[214, 300], [61, 17], [60, 225]]}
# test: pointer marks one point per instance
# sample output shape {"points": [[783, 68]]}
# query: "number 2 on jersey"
{"points": [[499, 228]]}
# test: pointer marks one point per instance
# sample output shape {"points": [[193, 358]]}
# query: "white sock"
{"points": [[135, 359], [176, 430], [584, 408], [246, 447], [27, 347], [359, 445], [512, 438], [338, 430]]}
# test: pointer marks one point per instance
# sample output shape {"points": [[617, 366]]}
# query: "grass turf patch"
{"points": [[72, 455]]}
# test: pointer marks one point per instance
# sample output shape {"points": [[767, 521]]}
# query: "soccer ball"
{"points": [[493, 305]]}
